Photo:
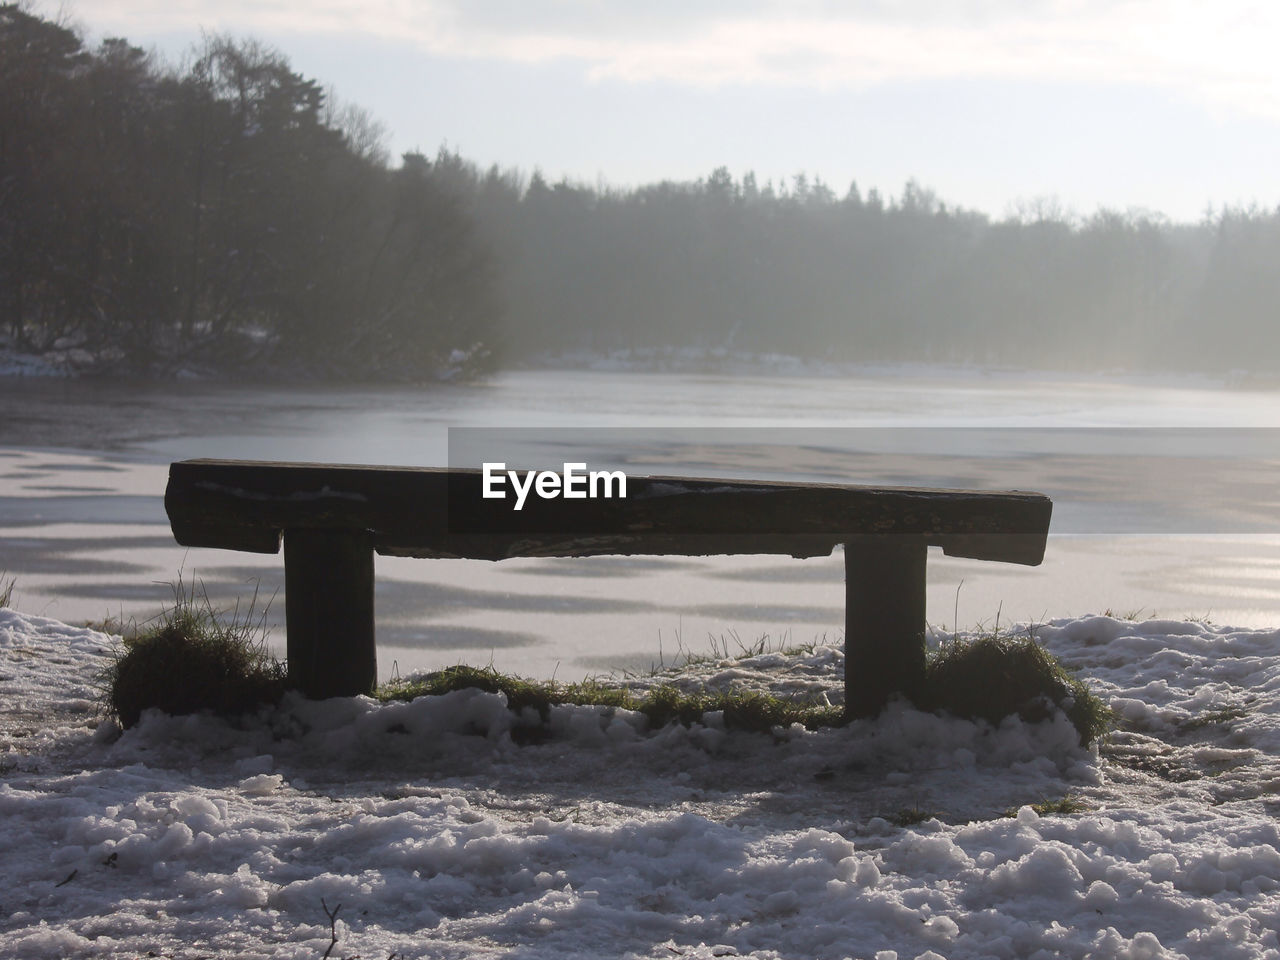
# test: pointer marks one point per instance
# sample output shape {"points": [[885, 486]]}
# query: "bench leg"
{"points": [[328, 592], [884, 580]]}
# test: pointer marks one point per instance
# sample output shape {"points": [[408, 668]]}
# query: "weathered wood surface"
{"points": [[426, 512], [333, 518]]}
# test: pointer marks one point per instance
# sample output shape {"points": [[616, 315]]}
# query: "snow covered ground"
{"points": [[439, 837]]}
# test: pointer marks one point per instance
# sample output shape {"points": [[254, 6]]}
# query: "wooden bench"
{"points": [[332, 520]]}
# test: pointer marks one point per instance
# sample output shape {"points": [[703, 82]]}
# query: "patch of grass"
{"points": [[995, 676], [910, 816], [520, 693], [194, 658], [732, 647], [1132, 615], [743, 710], [1069, 803], [6, 591], [1211, 719], [988, 678], [729, 646]]}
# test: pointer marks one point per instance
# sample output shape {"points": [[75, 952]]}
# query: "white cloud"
{"points": [[1219, 53]]}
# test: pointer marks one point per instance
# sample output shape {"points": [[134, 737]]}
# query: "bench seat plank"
{"points": [[436, 512]]}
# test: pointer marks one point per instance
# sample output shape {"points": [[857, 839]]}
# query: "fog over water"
{"points": [[1163, 493]]}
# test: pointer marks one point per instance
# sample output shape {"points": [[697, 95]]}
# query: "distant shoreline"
{"points": [[664, 360], [694, 361]]}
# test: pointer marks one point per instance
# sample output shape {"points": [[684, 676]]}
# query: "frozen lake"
{"points": [[1165, 500]]}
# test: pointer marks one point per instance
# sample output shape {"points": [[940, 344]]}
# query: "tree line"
{"points": [[226, 215], [725, 265], [231, 216]]}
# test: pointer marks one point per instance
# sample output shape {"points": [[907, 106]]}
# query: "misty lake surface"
{"points": [[1165, 496]]}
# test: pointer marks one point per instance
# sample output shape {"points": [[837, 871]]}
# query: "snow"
{"points": [[438, 836], [16, 364]]}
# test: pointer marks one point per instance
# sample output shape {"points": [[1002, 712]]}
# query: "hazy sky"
{"points": [[1165, 105]]}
